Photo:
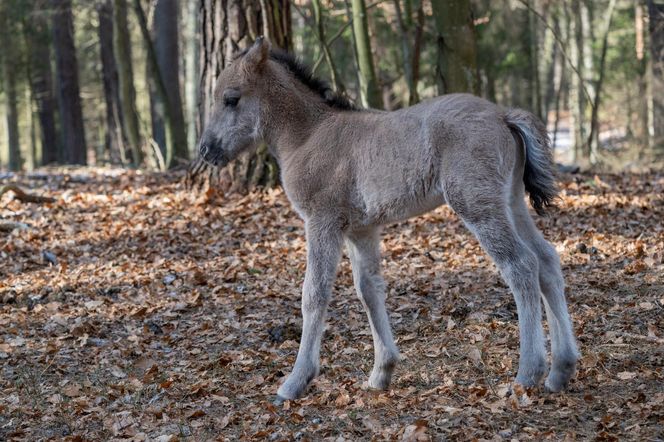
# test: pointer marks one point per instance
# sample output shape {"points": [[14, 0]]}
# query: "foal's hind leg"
{"points": [[364, 251], [490, 221], [563, 344]]}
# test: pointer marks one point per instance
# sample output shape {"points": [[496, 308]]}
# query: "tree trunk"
{"points": [[114, 137], [41, 81], [593, 137], [577, 99], [534, 61], [369, 90], [122, 52], [456, 69], [191, 73], [656, 90], [168, 127], [9, 66], [226, 27], [69, 99]]}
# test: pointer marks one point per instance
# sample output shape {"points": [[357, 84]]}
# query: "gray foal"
{"points": [[348, 171]]}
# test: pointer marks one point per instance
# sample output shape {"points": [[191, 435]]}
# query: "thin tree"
{"points": [[593, 136], [369, 90], [191, 73], [8, 60], [115, 137], [122, 52], [168, 127], [656, 90], [38, 35], [456, 68], [69, 99]]}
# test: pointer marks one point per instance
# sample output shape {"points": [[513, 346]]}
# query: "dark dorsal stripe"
{"points": [[303, 73]]}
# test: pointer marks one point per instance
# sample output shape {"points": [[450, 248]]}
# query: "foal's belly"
{"points": [[388, 210]]}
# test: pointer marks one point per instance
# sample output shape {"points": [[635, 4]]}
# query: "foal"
{"points": [[348, 171]]}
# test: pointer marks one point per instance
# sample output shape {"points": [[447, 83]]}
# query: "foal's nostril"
{"points": [[204, 150]]}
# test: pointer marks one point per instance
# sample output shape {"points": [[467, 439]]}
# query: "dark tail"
{"points": [[539, 173]]}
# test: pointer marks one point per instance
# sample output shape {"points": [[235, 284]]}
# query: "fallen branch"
{"points": [[23, 196], [8, 226]]}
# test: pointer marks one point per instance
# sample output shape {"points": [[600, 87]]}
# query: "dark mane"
{"points": [[303, 73]]}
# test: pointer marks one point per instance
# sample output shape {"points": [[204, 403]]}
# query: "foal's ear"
{"points": [[257, 54]]}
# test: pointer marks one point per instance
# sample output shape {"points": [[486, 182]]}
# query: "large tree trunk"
{"points": [[369, 90], [41, 81], [456, 69], [114, 138], [226, 27], [69, 99], [122, 51], [8, 72], [656, 92], [168, 126]]}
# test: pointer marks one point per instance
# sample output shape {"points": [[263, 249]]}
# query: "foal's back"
{"points": [[398, 164]]}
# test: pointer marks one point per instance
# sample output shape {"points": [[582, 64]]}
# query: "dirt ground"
{"points": [[131, 308]]}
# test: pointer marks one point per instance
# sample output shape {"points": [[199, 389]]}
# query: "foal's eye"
{"points": [[231, 101]]}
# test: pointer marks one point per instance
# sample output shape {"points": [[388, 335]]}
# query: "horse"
{"points": [[348, 171]]}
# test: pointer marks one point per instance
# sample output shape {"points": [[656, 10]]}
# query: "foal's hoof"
{"points": [[279, 401], [560, 376], [295, 386]]}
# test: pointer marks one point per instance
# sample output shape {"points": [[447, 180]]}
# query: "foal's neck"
{"points": [[292, 119]]}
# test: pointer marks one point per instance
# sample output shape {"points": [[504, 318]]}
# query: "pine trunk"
{"points": [[122, 52], [228, 26], [456, 68], [69, 98]]}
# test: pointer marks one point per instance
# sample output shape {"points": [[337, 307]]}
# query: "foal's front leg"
{"points": [[364, 251], [323, 252]]}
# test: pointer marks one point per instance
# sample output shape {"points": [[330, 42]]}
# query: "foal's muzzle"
{"points": [[212, 155]]}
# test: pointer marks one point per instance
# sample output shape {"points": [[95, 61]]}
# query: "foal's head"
{"points": [[235, 122], [258, 88]]}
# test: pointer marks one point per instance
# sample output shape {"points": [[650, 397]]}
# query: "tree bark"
{"points": [[122, 52], [115, 139], [168, 127], [9, 88], [456, 69], [369, 90], [69, 99], [41, 81], [228, 26], [656, 89]]}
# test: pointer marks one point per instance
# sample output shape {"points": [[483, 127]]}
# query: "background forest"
{"points": [[127, 82]]}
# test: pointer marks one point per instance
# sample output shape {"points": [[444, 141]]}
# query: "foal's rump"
{"points": [[487, 150]]}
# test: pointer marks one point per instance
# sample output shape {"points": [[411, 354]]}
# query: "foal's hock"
{"points": [[348, 171]]}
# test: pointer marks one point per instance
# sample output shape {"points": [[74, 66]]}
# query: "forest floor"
{"points": [[132, 308]]}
